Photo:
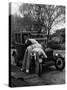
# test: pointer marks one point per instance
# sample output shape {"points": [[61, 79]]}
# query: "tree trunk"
{"points": [[48, 35]]}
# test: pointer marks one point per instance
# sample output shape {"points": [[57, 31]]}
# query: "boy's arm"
{"points": [[44, 54]]}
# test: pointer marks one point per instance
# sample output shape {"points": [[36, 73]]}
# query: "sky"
{"points": [[15, 10]]}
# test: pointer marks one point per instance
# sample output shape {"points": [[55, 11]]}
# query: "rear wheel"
{"points": [[60, 64]]}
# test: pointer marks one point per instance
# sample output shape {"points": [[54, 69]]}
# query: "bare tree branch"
{"points": [[44, 15]]}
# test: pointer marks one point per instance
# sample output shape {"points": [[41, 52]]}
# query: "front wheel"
{"points": [[60, 63]]}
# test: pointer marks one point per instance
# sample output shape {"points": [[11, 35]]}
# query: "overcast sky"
{"points": [[15, 10]]}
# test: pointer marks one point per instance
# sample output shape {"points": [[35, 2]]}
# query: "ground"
{"points": [[49, 77]]}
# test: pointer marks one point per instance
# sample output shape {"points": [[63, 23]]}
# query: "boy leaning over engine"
{"points": [[33, 46]]}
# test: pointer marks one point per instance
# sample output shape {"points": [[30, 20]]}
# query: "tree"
{"points": [[44, 15]]}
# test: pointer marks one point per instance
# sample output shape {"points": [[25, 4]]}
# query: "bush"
{"points": [[54, 45], [62, 46]]}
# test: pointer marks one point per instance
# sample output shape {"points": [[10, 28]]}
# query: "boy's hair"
{"points": [[28, 43]]}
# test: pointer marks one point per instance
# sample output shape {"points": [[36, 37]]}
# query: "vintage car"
{"points": [[52, 60], [39, 65]]}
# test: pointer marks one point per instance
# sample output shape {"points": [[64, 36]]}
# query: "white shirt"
{"points": [[32, 40], [40, 51]]}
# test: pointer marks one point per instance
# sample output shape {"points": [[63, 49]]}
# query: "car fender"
{"points": [[58, 56]]}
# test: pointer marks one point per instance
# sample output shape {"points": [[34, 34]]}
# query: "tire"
{"points": [[60, 63]]}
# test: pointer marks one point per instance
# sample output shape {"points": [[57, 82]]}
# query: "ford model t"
{"points": [[37, 66]]}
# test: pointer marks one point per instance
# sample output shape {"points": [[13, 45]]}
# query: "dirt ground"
{"points": [[50, 77]]}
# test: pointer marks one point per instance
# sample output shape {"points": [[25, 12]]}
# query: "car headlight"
{"points": [[33, 54], [56, 54]]}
